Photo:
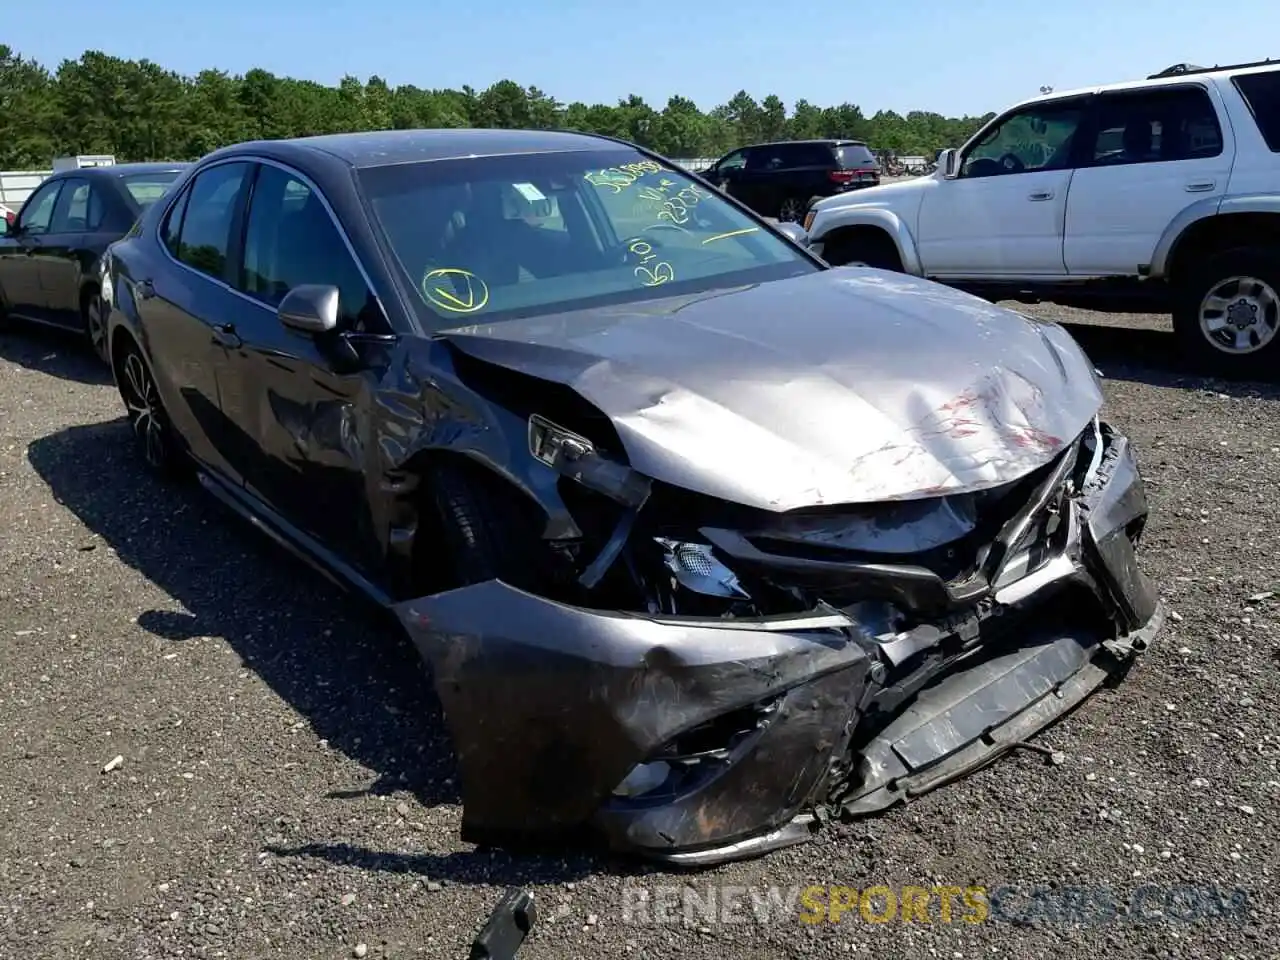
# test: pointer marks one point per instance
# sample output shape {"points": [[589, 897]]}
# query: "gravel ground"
{"points": [[285, 788]]}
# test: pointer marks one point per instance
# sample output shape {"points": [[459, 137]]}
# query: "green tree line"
{"points": [[137, 110]]}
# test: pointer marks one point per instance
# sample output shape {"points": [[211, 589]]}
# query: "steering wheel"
{"points": [[1011, 163]]}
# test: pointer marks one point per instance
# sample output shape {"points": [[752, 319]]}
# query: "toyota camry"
{"points": [[703, 541]]}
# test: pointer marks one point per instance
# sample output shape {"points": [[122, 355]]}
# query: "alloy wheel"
{"points": [[792, 210], [146, 413], [1240, 315]]}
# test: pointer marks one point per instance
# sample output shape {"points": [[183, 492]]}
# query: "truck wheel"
{"points": [[483, 533], [862, 250], [1227, 312]]}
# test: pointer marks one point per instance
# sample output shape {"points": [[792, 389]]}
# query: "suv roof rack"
{"points": [[1178, 69]]}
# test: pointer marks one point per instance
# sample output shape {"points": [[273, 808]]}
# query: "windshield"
{"points": [[856, 155], [147, 188], [515, 236]]}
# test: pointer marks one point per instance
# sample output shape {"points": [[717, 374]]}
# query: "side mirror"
{"points": [[794, 232], [310, 308], [10, 227], [949, 164]]}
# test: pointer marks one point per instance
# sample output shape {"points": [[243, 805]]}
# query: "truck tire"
{"points": [[873, 249], [1226, 312]]}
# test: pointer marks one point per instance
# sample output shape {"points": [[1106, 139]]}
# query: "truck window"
{"points": [[1154, 126], [1261, 91]]}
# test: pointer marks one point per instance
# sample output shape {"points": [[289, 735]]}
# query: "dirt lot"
{"points": [[286, 789]]}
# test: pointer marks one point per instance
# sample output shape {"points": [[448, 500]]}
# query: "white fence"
{"points": [[17, 185]]}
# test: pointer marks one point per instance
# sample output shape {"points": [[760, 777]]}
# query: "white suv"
{"points": [[1163, 191]]}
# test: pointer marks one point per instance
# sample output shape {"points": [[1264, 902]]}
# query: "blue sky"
{"points": [[963, 56]]}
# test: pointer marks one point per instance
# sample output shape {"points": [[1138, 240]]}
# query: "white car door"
{"points": [[1004, 214], [1157, 151]]}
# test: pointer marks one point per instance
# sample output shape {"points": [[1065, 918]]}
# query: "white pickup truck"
{"points": [[1160, 194]]}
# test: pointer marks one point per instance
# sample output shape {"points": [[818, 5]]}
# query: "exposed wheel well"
{"points": [[87, 293], [120, 343], [1213, 234], [424, 564], [865, 239]]}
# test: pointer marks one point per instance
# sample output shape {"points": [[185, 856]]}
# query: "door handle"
{"points": [[144, 290], [224, 334], [1201, 187], [1041, 195]]}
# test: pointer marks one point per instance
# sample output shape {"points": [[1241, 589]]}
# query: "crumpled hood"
{"points": [[842, 386]]}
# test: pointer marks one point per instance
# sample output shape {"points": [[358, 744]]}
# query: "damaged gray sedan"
{"points": [[704, 541]]}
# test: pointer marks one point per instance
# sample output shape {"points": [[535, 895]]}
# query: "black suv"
{"points": [[779, 179]]}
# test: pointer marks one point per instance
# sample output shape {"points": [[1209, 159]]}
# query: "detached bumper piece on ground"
{"points": [[818, 663]]}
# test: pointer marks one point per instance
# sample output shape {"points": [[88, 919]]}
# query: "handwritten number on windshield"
{"points": [[620, 177], [661, 272]]}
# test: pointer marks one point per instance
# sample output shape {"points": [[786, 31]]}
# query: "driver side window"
{"points": [[734, 161], [1039, 137]]}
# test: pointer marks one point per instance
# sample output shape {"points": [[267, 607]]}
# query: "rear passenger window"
{"points": [[1261, 91], [291, 240], [172, 228], [789, 156], [813, 155], [1156, 126], [204, 240], [79, 209]]}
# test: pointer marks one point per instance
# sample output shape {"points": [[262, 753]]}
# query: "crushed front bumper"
{"points": [[553, 708]]}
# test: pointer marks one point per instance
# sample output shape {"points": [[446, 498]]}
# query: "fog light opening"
{"points": [[643, 778]]}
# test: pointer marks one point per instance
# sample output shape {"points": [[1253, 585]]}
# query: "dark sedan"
{"points": [[49, 253], [703, 540]]}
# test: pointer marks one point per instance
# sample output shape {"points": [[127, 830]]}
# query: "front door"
{"points": [[1003, 216], [185, 305], [21, 293], [305, 408], [1155, 152], [728, 174]]}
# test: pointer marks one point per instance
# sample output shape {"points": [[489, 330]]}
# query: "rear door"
{"points": [[186, 306], [1151, 154], [20, 290], [777, 172]]}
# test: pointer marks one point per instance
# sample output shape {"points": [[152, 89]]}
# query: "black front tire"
{"points": [[485, 533], [1261, 267]]}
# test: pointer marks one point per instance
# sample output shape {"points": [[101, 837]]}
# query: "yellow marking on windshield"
{"points": [[731, 233], [455, 290]]}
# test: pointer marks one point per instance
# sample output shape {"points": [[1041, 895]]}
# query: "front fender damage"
{"points": [[700, 739]]}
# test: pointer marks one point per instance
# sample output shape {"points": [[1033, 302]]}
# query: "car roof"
{"points": [[386, 147], [820, 141], [1172, 80], [129, 169], [113, 170]]}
